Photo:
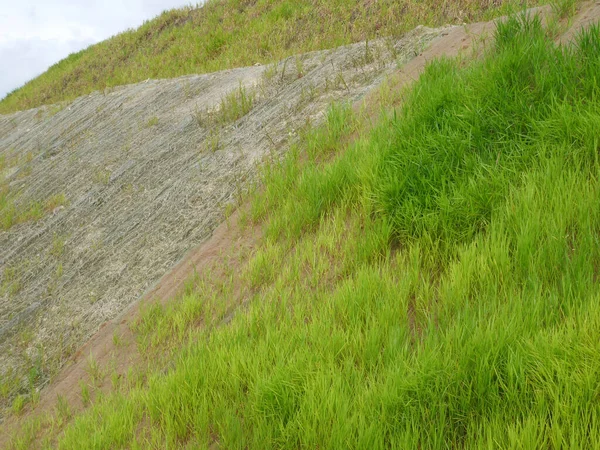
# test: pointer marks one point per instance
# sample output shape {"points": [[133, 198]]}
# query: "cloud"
{"points": [[34, 35], [24, 59]]}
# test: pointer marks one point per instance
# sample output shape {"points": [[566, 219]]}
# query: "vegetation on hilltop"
{"points": [[224, 34], [431, 285]]}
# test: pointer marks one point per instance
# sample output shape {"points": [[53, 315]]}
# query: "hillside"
{"points": [[225, 34], [433, 286], [409, 257], [103, 196]]}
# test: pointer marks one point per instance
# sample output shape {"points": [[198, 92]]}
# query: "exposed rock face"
{"points": [[146, 171]]}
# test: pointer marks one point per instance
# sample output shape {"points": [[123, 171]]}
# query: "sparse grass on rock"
{"points": [[14, 212], [224, 34]]}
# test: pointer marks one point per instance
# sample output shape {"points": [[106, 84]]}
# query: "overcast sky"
{"points": [[34, 34]]}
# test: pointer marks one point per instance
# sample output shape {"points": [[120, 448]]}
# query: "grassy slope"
{"points": [[433, 285], [233, 33]]}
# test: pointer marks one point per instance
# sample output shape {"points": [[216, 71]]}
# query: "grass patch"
{"points": [[13, 212], [58, 246], [224, 34], [564, 8], [18, 404], [233, 106], [102, 176], [151, 122]]}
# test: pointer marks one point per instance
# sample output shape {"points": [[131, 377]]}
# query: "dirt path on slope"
{"points": [[230, 243]]}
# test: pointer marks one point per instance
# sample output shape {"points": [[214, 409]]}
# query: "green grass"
{"points": [[14, 212], [152, 121], [431, 283], [233, 33], [233, 106]]}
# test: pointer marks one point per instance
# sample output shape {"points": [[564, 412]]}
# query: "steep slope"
{"points": [[225, 34], [426, 282], [143, 174], [429, 282], [434, 286]]}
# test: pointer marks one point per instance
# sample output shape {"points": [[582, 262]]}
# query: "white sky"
{"points": [[34, 34]]}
